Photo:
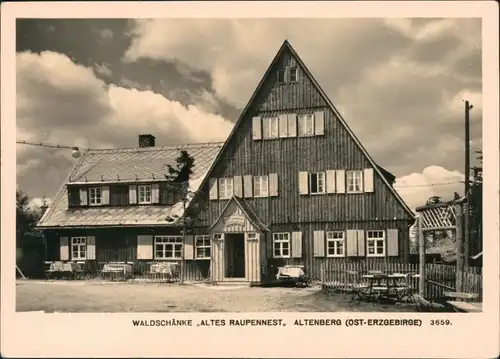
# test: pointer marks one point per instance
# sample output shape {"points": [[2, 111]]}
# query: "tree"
{"points": [[26, 218], [183, 170]]}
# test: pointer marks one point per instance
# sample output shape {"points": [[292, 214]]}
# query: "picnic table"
{"points": [[382, 285], [116, 270], [58, 269]]}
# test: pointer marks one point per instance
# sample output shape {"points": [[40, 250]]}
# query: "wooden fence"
{"points": [[439, 277]]}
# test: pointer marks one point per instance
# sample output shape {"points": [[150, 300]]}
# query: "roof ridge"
{"points": [[157, 148]]}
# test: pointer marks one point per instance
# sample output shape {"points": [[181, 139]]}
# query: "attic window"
{"points": [[281, 76], [287, 75], [95, 196], [292, 74], [144, 194]]}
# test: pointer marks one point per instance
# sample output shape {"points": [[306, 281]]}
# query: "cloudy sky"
{"points": [[400, 84]]}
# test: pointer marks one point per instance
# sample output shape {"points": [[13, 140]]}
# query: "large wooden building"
{"points": [[291, 185]]}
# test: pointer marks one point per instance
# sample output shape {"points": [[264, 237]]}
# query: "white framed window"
{"points": [[306, 125], [202, 247], [292, 74], [335, 244], [354, 181], [317, 183], [225, 188], [95, 196], [78, 248], [281, 245], [168, 247], [375, 242], [144, 194], [270, 127], [260, 186]]}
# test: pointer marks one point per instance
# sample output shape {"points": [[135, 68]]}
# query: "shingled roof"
{"points": [[126, 165]]}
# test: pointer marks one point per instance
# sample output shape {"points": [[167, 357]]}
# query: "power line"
{"points": [[281, 151], [429, 184]]}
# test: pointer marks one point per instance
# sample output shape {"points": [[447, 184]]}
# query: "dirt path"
{"points": [[83, 296]]}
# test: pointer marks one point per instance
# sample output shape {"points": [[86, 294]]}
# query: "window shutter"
{"points": [[392, 243], [189, 247], [247, 186], [319, 123], [351, 243], [214, 192], [303, 183], [292, 125], [273, 184], [132, 194], [145, 247], [368, 178], [361, 242], [91, 248], [330, 181], [283, 125], [340, 178], [83, 197], [319, 243], [296, 244], [105, 195], [155, 193], [238, 186], [64, 248], [256, 128]]}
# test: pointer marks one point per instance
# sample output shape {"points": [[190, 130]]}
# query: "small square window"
{"points": [[95, 196], [354, 181], [317, 183], [260, 186], [225, 188], [306, 125], [144, 194]]}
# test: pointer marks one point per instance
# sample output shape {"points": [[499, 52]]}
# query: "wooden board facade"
{"points": [[290, 158], [291, 185]]}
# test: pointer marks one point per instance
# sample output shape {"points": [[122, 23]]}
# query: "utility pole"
{"points": [[466, 234]]}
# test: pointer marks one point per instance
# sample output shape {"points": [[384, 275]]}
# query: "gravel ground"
{"points": [[89, 296]]}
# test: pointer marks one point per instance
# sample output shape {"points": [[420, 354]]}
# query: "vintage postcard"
{"points": [[217, 179]]}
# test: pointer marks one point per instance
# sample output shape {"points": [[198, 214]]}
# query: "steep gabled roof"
{"points": [[287, 46], [126, 165], [251, 216]]}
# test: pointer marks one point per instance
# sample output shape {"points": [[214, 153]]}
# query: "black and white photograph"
{"points": [[250, 165]]}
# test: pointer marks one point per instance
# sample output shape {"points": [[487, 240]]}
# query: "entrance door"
{"points": [[235, 255]]}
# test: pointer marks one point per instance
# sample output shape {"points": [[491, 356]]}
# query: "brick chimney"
{"points": [[146, 140]]}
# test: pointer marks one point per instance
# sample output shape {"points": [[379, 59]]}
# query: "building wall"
{"points": [[120, 245], [334, 150]]}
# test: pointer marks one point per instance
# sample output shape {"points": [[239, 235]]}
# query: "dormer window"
{"points": [[95, 196], [144, 194]]}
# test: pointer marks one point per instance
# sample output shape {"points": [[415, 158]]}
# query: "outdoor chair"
{"points": [[359, 288]]}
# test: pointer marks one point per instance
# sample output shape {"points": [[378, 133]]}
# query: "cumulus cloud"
{"points": [[64, 103], [399, 82], [416, 188]]}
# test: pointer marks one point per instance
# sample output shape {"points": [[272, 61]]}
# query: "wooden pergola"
{"points": [[447, 216]]}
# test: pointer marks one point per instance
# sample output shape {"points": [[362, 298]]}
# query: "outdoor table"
{"points": [[391, 284]]}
